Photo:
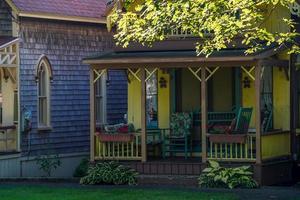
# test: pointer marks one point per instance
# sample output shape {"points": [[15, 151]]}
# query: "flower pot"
{"points": [[227, 138], [120, 137]]}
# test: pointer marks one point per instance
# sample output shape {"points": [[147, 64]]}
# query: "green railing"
{"points": [[215, 117]]}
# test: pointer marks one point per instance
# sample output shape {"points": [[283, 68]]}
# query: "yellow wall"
{"points": [[8, 88], [164, 101], [275, 145], [248, 98], [191, 91], [134, 102], [281, 98], [222, 90]]}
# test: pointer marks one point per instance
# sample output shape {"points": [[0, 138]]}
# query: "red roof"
{"points": [[76, 8]]}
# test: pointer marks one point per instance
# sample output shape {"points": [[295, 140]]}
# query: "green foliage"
{"points": [[217, 176], [48, 163], [224, 20], [110, 173], [82, 168]]}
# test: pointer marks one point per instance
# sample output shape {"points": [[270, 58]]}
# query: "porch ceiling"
{"points": [[8, 52], [186, 58]]}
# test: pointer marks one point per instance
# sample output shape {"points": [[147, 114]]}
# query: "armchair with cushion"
{"points": [[179, 138]]}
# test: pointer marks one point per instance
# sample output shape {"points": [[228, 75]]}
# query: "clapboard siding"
{"points": [[66, 44], [5, 19]]}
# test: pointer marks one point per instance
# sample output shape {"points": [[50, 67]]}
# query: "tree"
{"points": [[224, 20]]}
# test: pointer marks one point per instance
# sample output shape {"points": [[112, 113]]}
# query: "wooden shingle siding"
{"points": [[65, 44], [5, 19]]}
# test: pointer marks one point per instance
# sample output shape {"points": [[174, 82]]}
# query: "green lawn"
{"points": [[68, 193]]}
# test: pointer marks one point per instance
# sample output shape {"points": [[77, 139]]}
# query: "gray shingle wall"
{"points": [[65, 44], [5, 20]]}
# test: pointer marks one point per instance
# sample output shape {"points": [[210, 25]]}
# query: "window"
{"points": [[151, 101], [43, 77], [267, 99], [100, 101]]}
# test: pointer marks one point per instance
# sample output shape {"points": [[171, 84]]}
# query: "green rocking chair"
{"points": [[236, 132], [179, 139]]}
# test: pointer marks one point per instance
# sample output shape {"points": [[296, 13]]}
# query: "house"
{"points": [[45, 87], [226, 88]]}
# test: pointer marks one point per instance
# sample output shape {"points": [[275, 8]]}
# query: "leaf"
{"points": [[214, 164]]}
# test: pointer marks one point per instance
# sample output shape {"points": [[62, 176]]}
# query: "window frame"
{"points": [[46, 66], [103, 96]]}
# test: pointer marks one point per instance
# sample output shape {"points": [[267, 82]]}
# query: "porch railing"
{"points": [[119, 150], [233, 151]]}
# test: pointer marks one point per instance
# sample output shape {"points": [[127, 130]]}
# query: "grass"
{"points": [[95, 193]]}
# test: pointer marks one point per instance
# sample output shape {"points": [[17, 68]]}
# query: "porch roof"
{"points": [[8, 52], [186, 58]]}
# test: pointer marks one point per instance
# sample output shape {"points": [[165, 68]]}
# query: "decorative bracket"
{"points": [[12, 75], [249, 72], [99, 74], [135, 73], [150, 73], [196, 72], [211, 72]]}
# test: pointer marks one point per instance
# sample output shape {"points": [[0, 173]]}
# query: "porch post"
{"points": [[257, 112], [143, 115], [92, 116], [294, 107], [203, 113]]}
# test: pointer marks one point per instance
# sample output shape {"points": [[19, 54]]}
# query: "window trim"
{"points": [[103, 80], [44, 61]]}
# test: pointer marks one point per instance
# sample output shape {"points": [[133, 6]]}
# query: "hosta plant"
{"points": [[235, 177], [110, 173]]}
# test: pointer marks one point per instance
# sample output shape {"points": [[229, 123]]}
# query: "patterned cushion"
{"points": [[181, 123]]}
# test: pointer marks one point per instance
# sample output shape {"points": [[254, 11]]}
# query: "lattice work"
{"points": [[196, 72], [150, 73], [9, 56], [211, 72], [99, 74], [249, 72], [135, 74], [11, 73]]}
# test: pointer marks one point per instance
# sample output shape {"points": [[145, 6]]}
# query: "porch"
{"points": [[9, 109], [214, 93]]}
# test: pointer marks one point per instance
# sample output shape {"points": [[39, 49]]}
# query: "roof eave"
{"points": [[62, 17]]}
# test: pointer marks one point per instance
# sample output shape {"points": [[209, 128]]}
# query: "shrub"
{"points": [[109, 173], [48, 163], [82, 168], [217, 176]]}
